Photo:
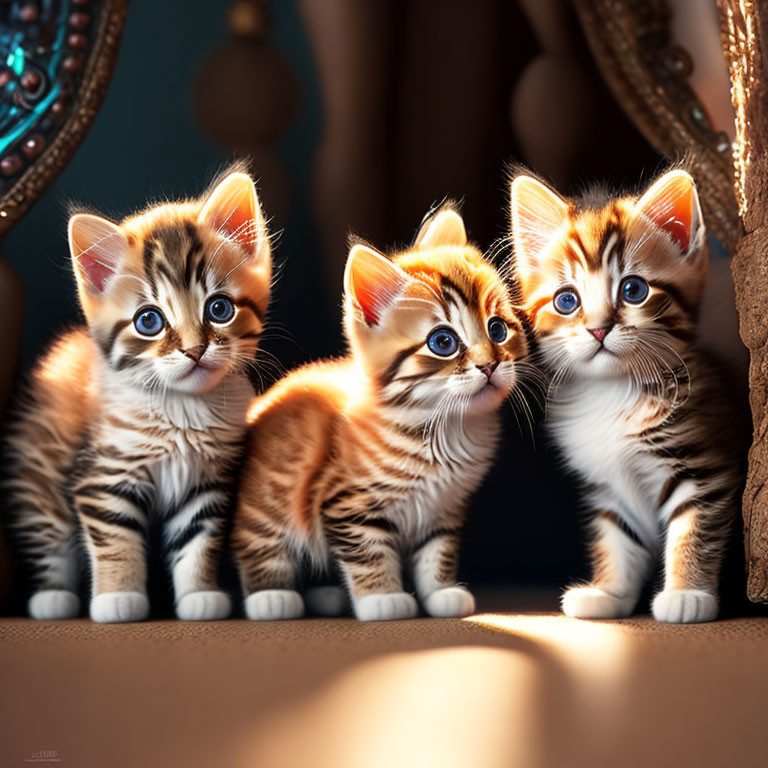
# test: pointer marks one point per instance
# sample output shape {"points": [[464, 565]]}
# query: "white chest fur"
{"points": [[183, 441], [461, 455], [595, 426], [180, 470]]}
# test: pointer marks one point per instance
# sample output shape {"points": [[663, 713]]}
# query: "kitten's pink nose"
{"points": [[487, 369], [195, 353], [600, 333]]}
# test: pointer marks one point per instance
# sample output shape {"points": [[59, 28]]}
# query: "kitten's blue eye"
{"points": [[634, 290], [220, 309], [566, 301], [497, 330], [149, 321], [443, 342]]}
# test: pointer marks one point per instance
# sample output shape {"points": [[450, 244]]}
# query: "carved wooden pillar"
{"points": [[744, 28]]}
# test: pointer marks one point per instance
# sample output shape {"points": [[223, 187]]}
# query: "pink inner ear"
{"points": [[234, 222], [97, 272], [367, 299], [679, 232], [375, 283], [672, 207], [537, 215], [233, 210], [373, 296], [675, 217]]}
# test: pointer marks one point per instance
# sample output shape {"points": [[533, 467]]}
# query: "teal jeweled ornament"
{"points": [[41, 61], [56, 61]]}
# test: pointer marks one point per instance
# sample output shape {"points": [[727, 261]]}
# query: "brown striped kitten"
{"points": [[366, 463], [140, 414], [612, 288]]}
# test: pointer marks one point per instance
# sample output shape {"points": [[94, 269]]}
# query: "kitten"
{"points": [[141, 414], [612, 290], [368, 461]]}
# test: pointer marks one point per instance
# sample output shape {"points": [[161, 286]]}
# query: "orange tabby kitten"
{"points": [[141, 413], [367, 462], [612, 286]]}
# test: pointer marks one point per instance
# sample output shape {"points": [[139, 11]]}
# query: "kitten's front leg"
{"points": [[193, 540], [435, 566], [620, 565], [267, 564], [114, 522], [366, 547], [692, 560]]}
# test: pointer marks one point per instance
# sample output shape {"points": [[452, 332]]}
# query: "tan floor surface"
{"points": [[502, 690]]}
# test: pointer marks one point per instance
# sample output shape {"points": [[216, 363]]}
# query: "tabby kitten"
{"points": [[368, 461], [141, 414], [612, 289]]}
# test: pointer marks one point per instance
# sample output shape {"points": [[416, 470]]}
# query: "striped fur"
{"points": [[116, 428], [367, 462], [640, 415]]}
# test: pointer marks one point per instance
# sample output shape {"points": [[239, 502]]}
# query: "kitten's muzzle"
{"points": [[195, 353], [600, 333], [487, 369]]}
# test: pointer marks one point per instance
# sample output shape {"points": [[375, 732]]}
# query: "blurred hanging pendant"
{"points": [[246, 97]]}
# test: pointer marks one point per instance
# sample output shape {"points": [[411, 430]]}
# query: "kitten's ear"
{"points": [[445, 227], [672, 203], [537, 215], [372, 281], [97, 247], [233, 209]]}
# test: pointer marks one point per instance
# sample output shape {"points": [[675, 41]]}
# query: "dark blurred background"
{"points": [[358, 117]]}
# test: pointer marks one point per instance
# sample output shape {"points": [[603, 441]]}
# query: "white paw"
{"points": [[594, 603], [450, 602], [327, 601], [53, 604], [273, 605], [210, 605], [112, 607], [390, 607], [684, 606]]}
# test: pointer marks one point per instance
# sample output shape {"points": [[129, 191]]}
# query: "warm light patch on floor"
{"points": [[445, 706], [595, 647], [458, 706]]}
